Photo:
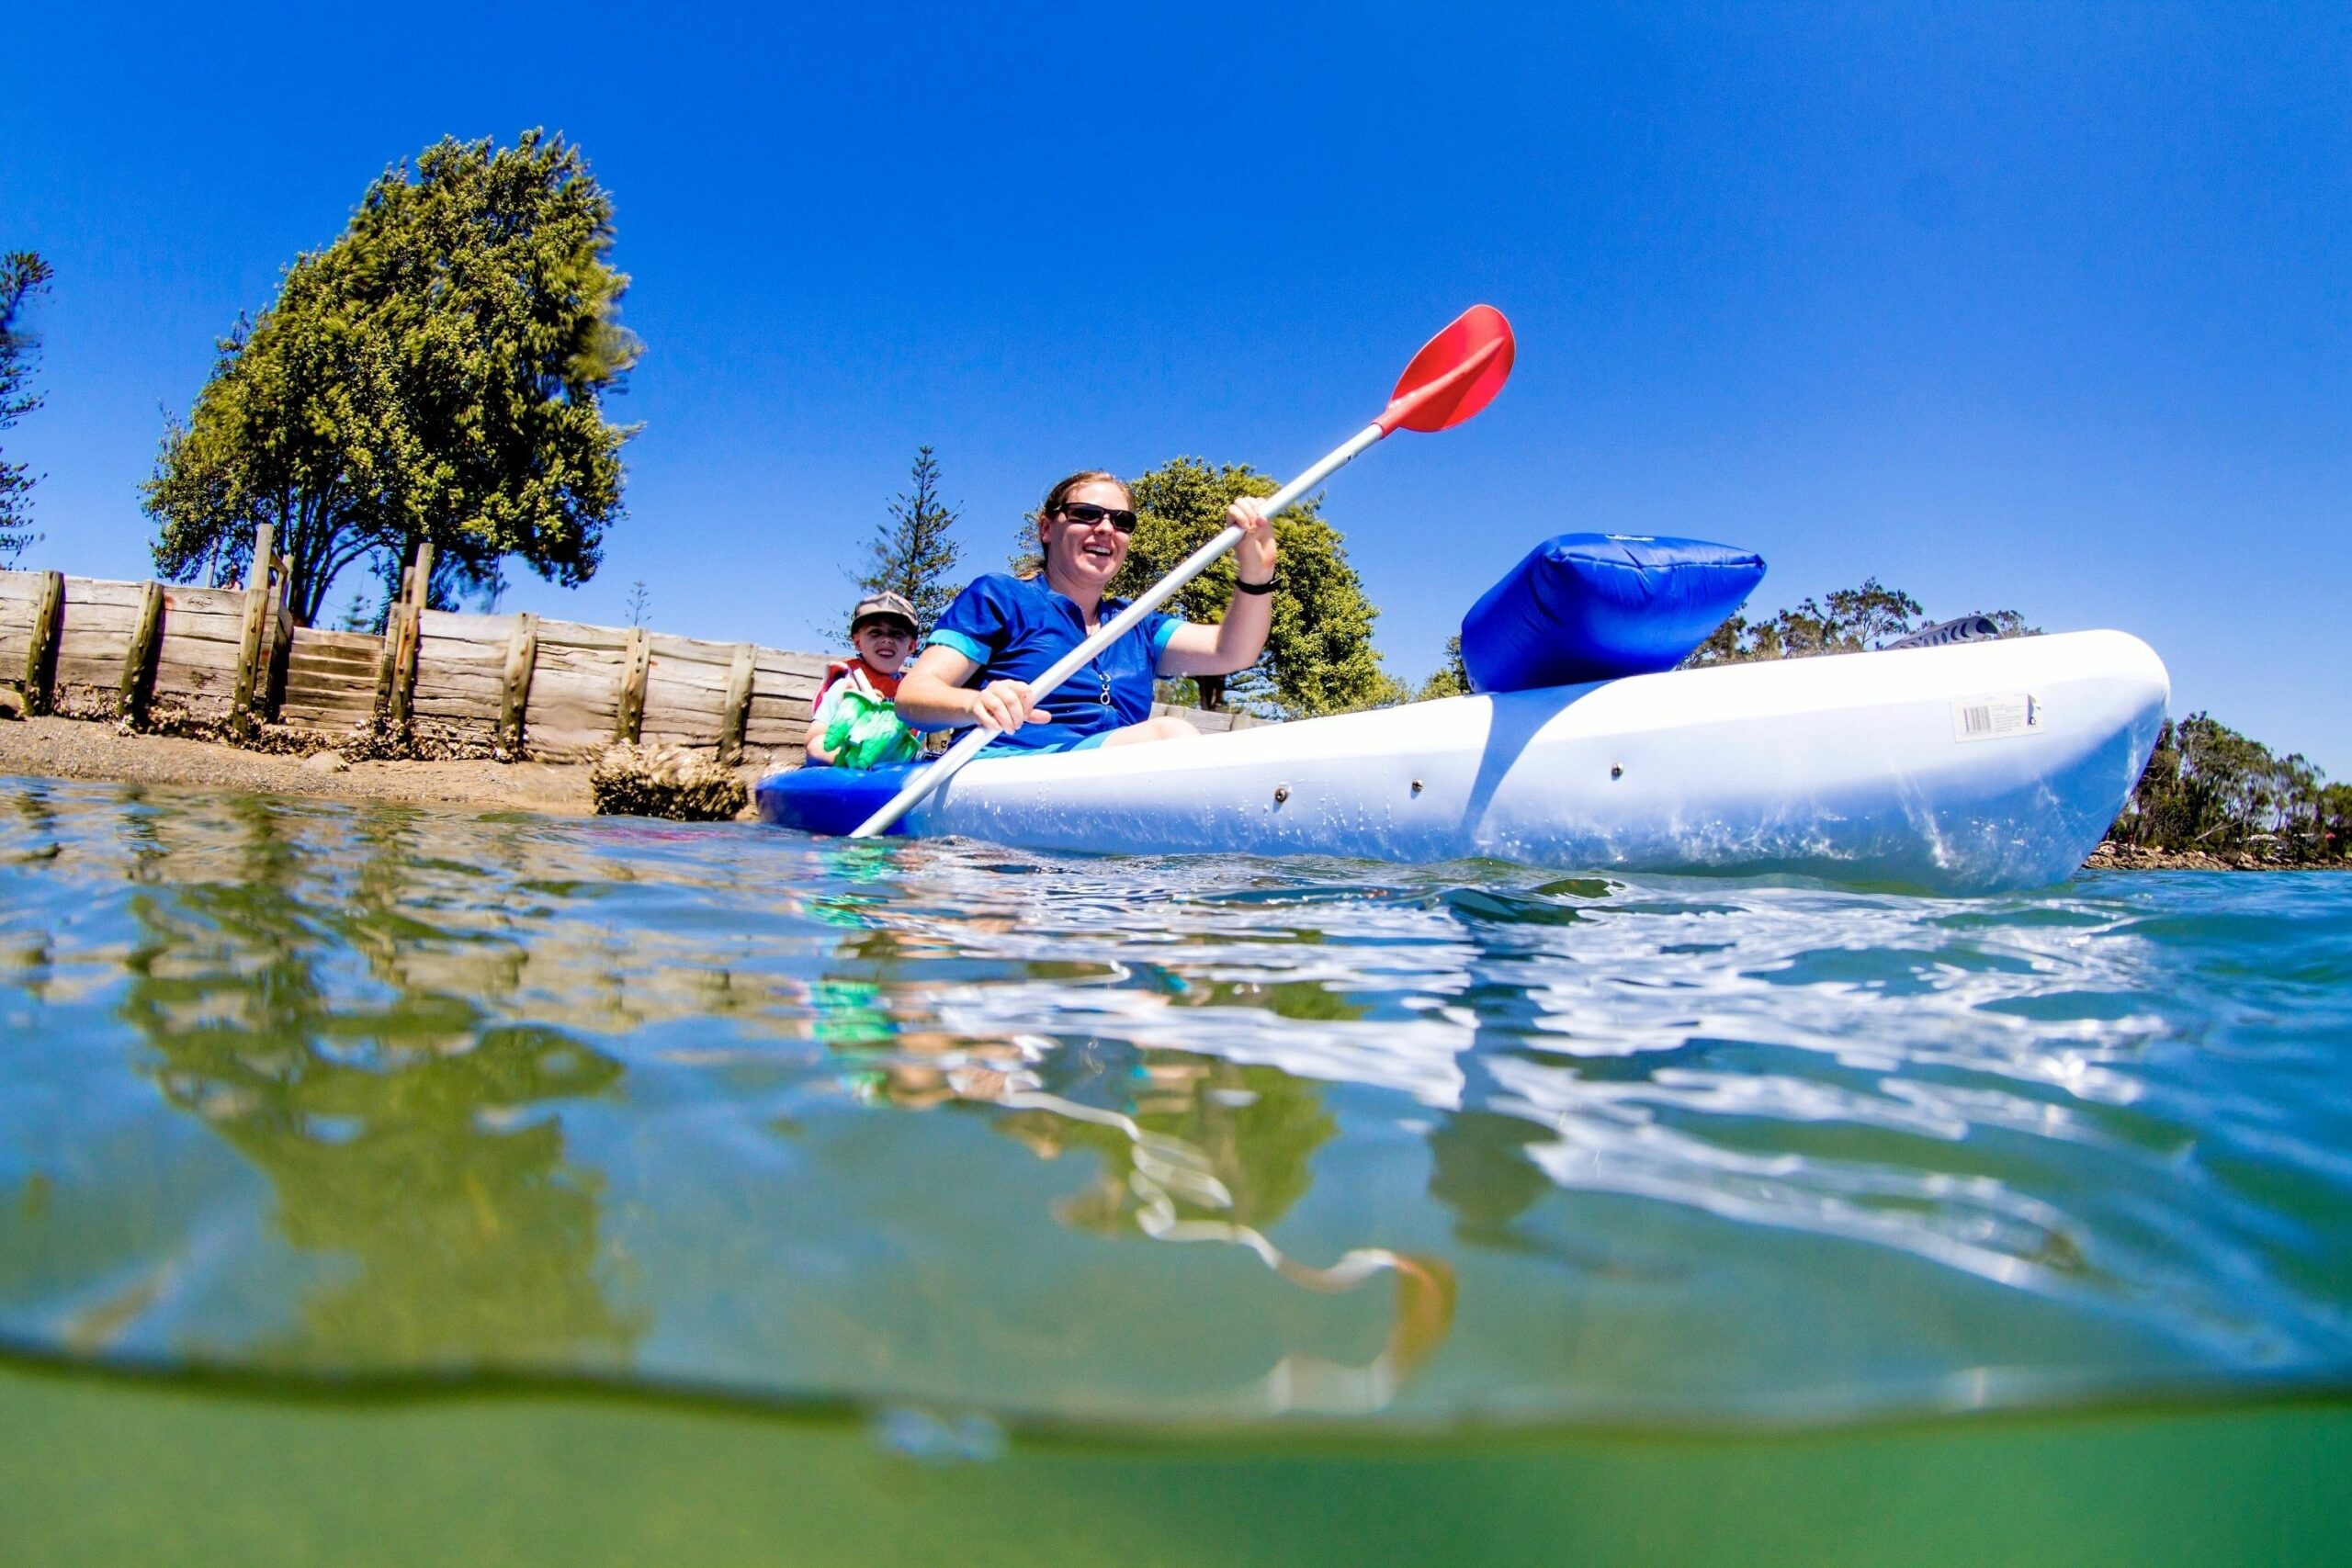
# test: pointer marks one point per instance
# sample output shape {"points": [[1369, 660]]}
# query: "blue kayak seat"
{"points": [[1594, 606], [832, 801]]}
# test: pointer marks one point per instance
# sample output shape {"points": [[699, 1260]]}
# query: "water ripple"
{"points": [[943, 1127]]}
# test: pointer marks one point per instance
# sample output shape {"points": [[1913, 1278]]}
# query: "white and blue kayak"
{"points": [[1969, 768]]}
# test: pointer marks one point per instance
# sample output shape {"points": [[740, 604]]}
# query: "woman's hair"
{"points": [[1060, 494]]}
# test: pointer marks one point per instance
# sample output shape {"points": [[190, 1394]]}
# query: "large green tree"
{"points": [[1320, 657], [438, 372], [912, 554], [22, 275]]}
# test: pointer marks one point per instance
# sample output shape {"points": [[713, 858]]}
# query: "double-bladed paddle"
{"points": [[1457, 373]]}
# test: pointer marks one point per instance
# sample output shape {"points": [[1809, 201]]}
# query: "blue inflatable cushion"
{"points": [[832, 801], [1595, 606]]}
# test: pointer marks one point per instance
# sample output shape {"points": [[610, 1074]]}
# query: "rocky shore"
{"points": [[2112, 856], [649, 783]]}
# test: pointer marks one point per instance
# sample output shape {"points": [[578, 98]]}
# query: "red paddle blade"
{"points": [[1457, 373]]}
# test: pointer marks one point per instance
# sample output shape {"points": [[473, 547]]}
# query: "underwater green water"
{"points": [[379, 1184]]}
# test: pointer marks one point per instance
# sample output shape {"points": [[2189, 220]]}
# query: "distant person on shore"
{"points": [[1003, 632], [855, 722]]}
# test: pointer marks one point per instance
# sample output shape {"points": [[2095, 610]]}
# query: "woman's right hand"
{"points": [[1006, 705]]}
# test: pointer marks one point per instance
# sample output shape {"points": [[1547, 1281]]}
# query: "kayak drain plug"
{"points": [[1416, 786], [1616, 773], [1281, 793]]}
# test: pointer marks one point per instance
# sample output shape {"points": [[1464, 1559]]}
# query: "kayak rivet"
{"points": [[1616, 773], [1416, 786], [1281, 793]]}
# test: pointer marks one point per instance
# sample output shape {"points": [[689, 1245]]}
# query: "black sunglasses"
{"points": [[1087, 513]]}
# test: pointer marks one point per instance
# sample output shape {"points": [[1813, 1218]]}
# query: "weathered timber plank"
{"points": [[693, 649], [579, 634], [196, 654], [783, 661], [460, 627], [708, 682], [306, 691], [602, 686], [105, 594], [482, 716], [110, 621], [639, 657], [101, 672], [333, 701], [366, 644], [180, 682], [572, 712], [315, 714]]}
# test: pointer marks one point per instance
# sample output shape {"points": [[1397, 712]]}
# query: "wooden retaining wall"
{"points": [[561, 691]]}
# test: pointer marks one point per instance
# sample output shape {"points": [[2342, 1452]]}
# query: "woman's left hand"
{"points": [[1255, 554]]}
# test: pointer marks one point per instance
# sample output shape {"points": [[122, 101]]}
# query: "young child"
{"points": [[854, 724]]}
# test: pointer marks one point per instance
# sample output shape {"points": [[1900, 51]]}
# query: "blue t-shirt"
{"points": [[1015, 628]]}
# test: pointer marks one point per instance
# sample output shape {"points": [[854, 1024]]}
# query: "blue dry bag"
{"points": [[1594, 606]]}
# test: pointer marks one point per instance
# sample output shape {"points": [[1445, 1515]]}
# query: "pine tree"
{"points": [[22, 273], [913, 554]]}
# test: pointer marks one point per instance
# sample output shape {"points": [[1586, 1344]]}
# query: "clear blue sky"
{"points": [[2026, 306]]}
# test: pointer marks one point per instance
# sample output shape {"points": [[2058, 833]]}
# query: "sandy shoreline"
{"points": [[75, 749]]}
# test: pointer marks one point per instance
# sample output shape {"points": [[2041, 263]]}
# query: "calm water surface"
{"points": [[322, 1124]]}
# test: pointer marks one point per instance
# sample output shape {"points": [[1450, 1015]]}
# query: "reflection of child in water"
{"points": [[855, 722]]}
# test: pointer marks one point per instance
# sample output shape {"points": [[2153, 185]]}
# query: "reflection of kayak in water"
{"points": [[1965, 768]]}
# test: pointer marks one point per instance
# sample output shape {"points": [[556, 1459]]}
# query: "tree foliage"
{"points": [[2208, 787], [1451, 679], [913, 554], [438, 373], [1320, 657], [22, 275], [1846, 621]]}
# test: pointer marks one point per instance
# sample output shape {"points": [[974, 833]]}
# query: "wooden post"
{"points": [[514, 691], [637, 652], [41, 650], [404, 632], [388, 661], [138, 658], [737, 715], [249, 648], [277, 644]]}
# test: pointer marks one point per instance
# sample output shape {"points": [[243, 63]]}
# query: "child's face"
{"points": [[883, 644]]}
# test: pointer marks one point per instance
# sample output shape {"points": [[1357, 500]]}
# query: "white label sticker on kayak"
{"points": [[1995, 719]]}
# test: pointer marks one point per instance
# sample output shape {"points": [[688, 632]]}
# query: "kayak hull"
{"points": [[1970, 768]]}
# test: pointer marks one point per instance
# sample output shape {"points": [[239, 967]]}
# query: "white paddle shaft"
{"points": [[1071, 663]]}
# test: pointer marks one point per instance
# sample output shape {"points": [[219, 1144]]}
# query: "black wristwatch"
{"points": [[1265, 587]]}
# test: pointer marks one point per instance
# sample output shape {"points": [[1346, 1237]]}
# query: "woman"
{"points": [[1002, 632]]}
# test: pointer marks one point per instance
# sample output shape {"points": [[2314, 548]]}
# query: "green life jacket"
{"points": [[867, 732]]}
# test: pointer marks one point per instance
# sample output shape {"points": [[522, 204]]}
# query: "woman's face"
{"points": [[1089, 554]]}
